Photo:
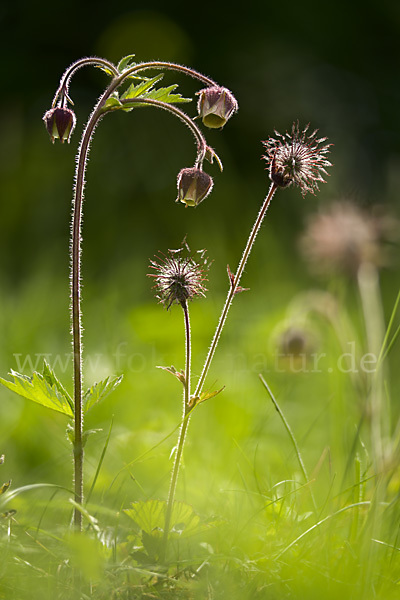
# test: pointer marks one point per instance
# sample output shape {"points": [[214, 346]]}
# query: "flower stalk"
{"points": [[56, 128], [182, 432]]}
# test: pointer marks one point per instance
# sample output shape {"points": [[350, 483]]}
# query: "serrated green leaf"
{"points": [[165, 95], [134, 91], [149, 516], [126, 63], [99, 391], [44, 389], [195, 400]]}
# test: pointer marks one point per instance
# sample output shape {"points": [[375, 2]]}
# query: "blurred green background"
{"points": [[332, 64]]}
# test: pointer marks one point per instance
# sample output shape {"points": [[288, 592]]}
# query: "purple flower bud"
{"points": [[60, 123], [215, 106], [193, 186]]}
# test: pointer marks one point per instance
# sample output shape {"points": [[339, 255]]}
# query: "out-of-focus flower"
{"points": [[193, 186], [179, 278], [60, 123], [215, 106], [297, 158], [343, 236]]}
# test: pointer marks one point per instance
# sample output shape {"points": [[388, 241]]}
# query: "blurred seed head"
{"points": [[297, 158], [343, 236], [60, 123], [179, 276], [215, 106], [193, 186]]}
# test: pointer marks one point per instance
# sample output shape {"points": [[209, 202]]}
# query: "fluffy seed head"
{"points": [[343, 236], [179, 277], [297, 158]]}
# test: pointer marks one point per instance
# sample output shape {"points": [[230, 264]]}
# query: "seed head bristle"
{"points": [[297, 158]]}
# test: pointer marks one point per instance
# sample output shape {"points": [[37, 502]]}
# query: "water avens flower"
{"points": [[60, 123], [215, 106], [178, 278], [194, 185], [297, 158]]}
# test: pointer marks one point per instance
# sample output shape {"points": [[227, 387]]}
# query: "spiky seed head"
{"points": [[297, 158], [194, 185], [179, 276], [60, 123], [215, 106]]}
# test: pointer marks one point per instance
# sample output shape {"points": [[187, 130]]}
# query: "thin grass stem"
{"points": [[291, 435]]}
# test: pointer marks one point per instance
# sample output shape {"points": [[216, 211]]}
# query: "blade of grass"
{"points": [[355, 505], [100, 463], [291, 435]]}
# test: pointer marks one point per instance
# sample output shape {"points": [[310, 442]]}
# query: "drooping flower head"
{"points": [[60, 123], [215, 106], [297, 158], [194, 185], [179, 276]]}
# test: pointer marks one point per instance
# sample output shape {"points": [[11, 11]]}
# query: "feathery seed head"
{"points": [[297, 158], [179, 277]]}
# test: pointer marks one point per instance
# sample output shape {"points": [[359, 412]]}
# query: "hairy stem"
{"points": [[75, 245], [182, 432], [83, 62], [76, 313], [234, 288], [170, 67]]}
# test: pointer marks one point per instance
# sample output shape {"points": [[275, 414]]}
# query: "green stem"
{"points": [[291, 435], [182, 432], [234, 288], [379, 410]]}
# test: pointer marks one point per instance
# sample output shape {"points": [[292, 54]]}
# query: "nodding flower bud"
{"points": [[60, 123], [193, 186], [215, 106]]}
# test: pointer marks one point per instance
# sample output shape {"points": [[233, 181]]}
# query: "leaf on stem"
{"points": [[99, 391], [126, 63], [178, 374], [5, 487], [43, 388], [112, 103], [195, 400], [236, 289]]}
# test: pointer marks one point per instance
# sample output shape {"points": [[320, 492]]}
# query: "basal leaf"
{"points": [[149, 516], [99, 391], [42, 388]]}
